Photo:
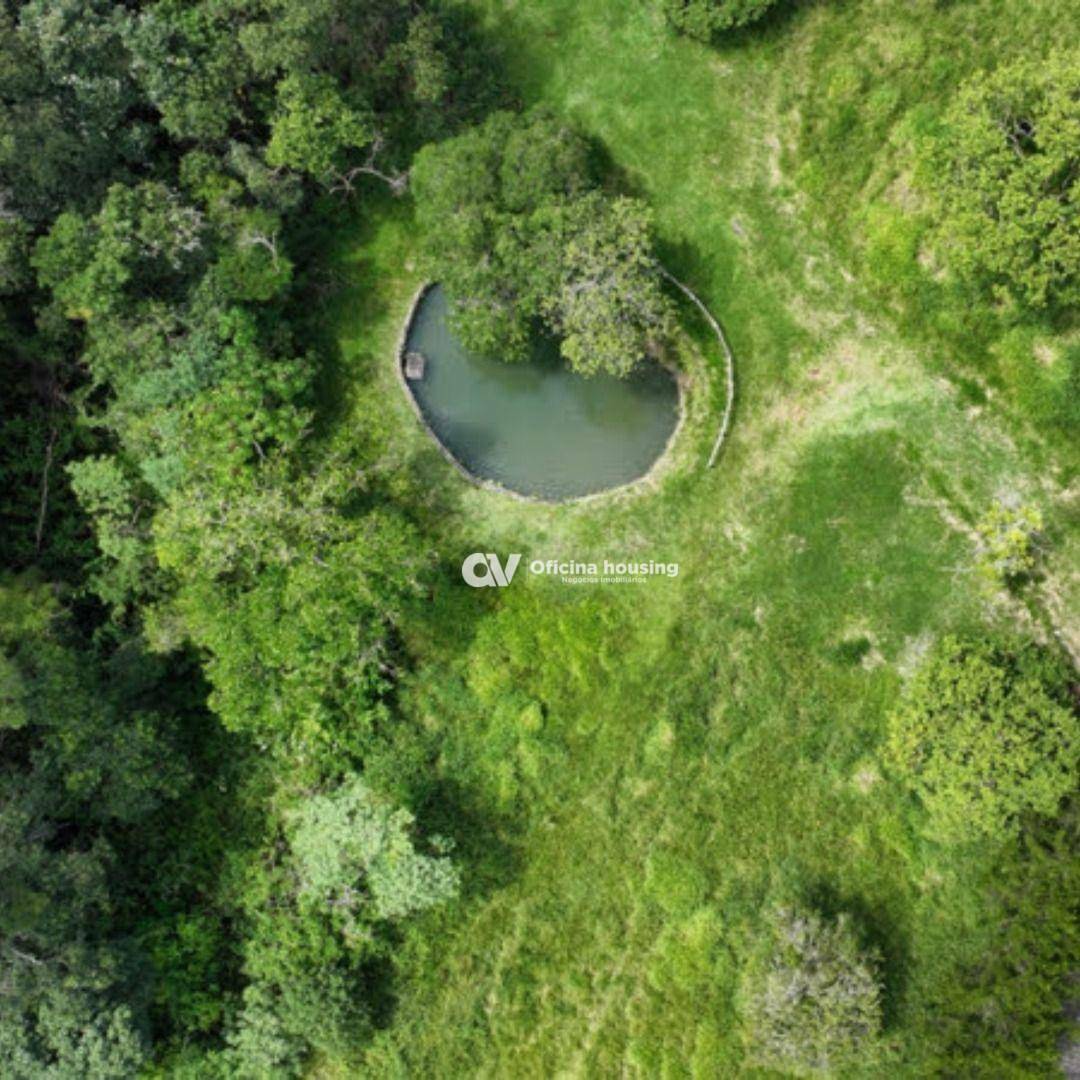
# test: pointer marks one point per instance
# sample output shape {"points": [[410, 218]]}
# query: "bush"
{"points": [[1005, 174], [1007, 536], [811, 1003], [986, 733], [702, 18]]}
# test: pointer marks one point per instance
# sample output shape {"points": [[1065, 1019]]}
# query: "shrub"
{"points": [[985, 734], [1007, 536], [1005, 174], [811, 1002], [702, 18]]}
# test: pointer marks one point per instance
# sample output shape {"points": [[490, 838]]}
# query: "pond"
{"points": [[535, 427]]}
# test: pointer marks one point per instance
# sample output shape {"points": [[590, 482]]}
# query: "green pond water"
{"points": [[536, 427]]}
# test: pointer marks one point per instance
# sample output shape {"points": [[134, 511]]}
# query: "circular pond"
{"points": [[537, 428]]}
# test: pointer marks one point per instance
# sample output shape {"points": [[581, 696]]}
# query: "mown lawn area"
{"points": [[641, 769]]}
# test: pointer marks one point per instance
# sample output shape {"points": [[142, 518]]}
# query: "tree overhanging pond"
{"points": [[517, 229]]}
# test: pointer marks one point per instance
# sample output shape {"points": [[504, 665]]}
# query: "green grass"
{"points": [[632, 772]]}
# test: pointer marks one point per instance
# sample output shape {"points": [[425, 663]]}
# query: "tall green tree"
{"points": [[317, 127], [69, 118], [1004, 179], [517, 230], [87, 752], [322, 906], [351, 847], [605, 304], [294, 599]]}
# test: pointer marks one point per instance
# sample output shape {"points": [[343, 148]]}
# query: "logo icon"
{"points": [[485, 571]]}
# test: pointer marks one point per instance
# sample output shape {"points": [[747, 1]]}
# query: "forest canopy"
{"points": [[213, 596]]}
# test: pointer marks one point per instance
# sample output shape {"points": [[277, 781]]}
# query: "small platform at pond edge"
{"points": [[415, 363]]}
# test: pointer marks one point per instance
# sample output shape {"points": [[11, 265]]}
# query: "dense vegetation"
{"points": [[1005, 173], [704, 18], [987, 733], [280, 796], [517, 231], [167, 885]]}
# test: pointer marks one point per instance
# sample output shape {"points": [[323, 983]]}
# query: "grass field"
{"points": [[637, 770]]}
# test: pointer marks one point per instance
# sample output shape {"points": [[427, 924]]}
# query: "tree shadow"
{"points": [[341, 291], [876, 931], [482, 837]]}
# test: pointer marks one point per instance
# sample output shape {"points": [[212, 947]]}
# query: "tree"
{"points": [[68, 106], [811, 1001], [606, 303], [423, 56], [190, 66], [91, 733], [986, 733], [1004, 178], [87, 755], [294, 601], [474, 196], [320, 910], [15, 275], [702, 19], [316, 126], [40, 522], [144, 241], [72, 1024], [310, 987], [351, 848], [123, 566], [516, 230], [417, 72], [262, 1044]]}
